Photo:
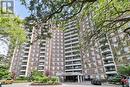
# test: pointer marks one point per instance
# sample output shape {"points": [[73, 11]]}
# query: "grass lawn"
{"points": [[20, 81]]}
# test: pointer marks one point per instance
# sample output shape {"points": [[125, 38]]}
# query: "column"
{"points": [[78, 79]]}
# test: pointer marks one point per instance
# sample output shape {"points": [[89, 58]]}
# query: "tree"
{"points": [[12, 32], [124, 70], [4, 73], [44, 11], [106, 15], [11, 28]]}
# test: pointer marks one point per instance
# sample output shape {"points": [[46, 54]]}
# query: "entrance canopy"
{"points": [[70, 74]]}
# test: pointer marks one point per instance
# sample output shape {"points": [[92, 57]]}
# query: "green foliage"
{"points": [[4, 73], [56, 9], [22, 78], [115, 80], [45, 79], [124, 70], [39, 77], [54, 79], [12, 27], [106, 14]]}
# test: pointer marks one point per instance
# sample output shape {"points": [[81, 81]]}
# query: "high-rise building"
{"points": [[67, 54], [92, 59], [55, 52], [42, 55], [113, 50], [120, 46], [72, 55]]}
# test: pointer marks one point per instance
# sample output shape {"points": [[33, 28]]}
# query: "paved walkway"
{"points": [[63, 85]]}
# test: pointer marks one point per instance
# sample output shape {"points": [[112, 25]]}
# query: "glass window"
{"points": [[126, 49]]}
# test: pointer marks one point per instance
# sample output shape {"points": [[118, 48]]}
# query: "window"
{"points": [[93, 53], [93, 58], [114, 39], [128, 58], [99, 62], [53, 68], [126, 49], [98, 56], [115, 45]]}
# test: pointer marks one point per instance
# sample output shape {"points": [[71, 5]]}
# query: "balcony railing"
{"points": [[109, 62]]}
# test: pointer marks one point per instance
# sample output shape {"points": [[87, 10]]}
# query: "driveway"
{"points": [[63, 85]]}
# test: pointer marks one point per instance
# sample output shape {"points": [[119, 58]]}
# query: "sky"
{"points": [[20, 11]]}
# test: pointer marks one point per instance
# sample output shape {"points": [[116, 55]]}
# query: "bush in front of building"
{"points": [[4, 73], [22, 78], [40, 78], [55, 80], [115, 80], [124, 70]]}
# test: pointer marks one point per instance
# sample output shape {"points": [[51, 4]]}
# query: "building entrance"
{"points": [[71, 79]]}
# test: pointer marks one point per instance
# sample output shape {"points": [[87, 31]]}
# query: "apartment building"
{"points": [[72, 56], [121, 48], [113, 50], [107, 56], [41, 55], [55, 51], [91, 56]]}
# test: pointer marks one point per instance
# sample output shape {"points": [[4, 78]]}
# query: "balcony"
{"points": [[41, 65], [24, 64], [106, 51], [41, 60], [72, 64], [25, 60], [25, 55], [25, 51], [103, 45], [71, 55], [72, 70], [112, 64], [106, 64], [72, 38], [27, 47], [42, 56], [111, 72], [71, 51], [41, 70], [23, 70], [74, 42], [71, 35], [103, 40], [108, 57], [72, 59]]}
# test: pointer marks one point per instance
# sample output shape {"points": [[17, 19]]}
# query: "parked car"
{"points": [[96, 82], [6, 81]]}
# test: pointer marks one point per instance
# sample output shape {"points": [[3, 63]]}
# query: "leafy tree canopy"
{"points": [[106, 15], [109, 15], [124, 70], [11, 27], [43, 10]]}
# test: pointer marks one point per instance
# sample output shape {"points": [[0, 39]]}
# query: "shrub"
{"points": [[45, 80], [50, 82], [54, 79], [115, 80], [22, 78]]}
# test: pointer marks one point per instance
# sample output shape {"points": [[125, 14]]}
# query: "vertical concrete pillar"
{"points": [[78, 79], [81, 78]]}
